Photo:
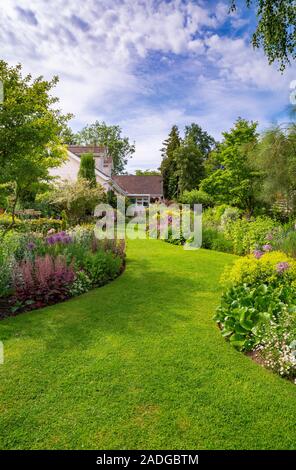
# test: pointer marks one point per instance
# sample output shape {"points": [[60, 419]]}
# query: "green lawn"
{"points": [[139, 364]]}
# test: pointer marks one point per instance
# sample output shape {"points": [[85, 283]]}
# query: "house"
{"points": [[140, 189]]}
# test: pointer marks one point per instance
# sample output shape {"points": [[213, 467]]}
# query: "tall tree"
{"points": [[275, 157], [87, 168], [276, 29], [30, 130], [119, 147], [190, 166], [68, 137], [234, 179], [168, 165], [200, 138]]}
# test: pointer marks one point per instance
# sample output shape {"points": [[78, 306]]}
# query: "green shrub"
{"points": [[231, 214], [259, 291], [196, 197], [244, 309], [31, 225], [213, 239], [247, 235], [265, 269], [101, 267], [211, 217], [42, 225]]}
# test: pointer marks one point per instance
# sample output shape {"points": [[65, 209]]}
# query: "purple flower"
{"points": [[267, 247], [257, 254], [61, 237], [31, 246], [269, 236], [282, 267], [50, 241]]}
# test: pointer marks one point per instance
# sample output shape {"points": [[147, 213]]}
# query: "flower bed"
{"points": [[38, 270], [258, 309]]}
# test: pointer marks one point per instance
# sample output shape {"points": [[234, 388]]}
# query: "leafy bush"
{"points": [[247, 235], [251, 270], [42, 225], [259, 291], [231, 214], [30, 225], [212, 216], [196, 197], [213, 239], [77, 200], [101, 267], [245, 308]]}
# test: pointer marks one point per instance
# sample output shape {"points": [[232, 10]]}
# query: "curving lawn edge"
{"points": [[139, 363]]}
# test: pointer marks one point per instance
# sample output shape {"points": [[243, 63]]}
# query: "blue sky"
{"points": [[147, 64]]}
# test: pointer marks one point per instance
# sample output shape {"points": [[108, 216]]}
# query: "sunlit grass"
{"points": [[137, 364]]}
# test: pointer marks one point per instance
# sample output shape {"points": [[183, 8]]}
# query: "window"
{"points": [[142, 201]]}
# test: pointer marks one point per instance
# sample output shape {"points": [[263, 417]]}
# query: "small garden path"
{"points": [[139, 364]]}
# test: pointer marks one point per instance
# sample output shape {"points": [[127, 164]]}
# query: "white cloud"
{"points": [[102, 49]]}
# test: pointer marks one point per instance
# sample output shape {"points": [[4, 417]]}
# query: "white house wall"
{"points": [[69, 171]]}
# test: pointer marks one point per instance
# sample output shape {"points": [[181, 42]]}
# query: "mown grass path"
{"points": [[137, 364]]}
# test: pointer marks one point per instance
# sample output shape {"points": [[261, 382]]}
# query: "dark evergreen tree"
{"points": [[168, 166], [87, 168]]}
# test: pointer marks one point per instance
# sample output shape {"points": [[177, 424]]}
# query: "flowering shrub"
{"points": [[260, 268], [60, 237], [248, 235], [258, 309], [44, 281], [277, 347], [81, 284], [36, 271]]}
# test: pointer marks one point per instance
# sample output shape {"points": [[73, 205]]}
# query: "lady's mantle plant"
{"points": [[258, 309]]}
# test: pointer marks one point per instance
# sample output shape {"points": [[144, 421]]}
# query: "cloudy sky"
{"points": [[146, 64]]}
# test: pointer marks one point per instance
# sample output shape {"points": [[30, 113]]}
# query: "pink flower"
{"points": [[282, 267], [267, 247], [257, 254]]}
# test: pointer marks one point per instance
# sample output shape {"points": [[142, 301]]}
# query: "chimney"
{"points": [[103, 162]]}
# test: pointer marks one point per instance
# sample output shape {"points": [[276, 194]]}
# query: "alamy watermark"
{"points": [[178, 223]]}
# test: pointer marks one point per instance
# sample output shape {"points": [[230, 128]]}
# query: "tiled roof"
{"points": [[140, 184], [80, 149]]}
